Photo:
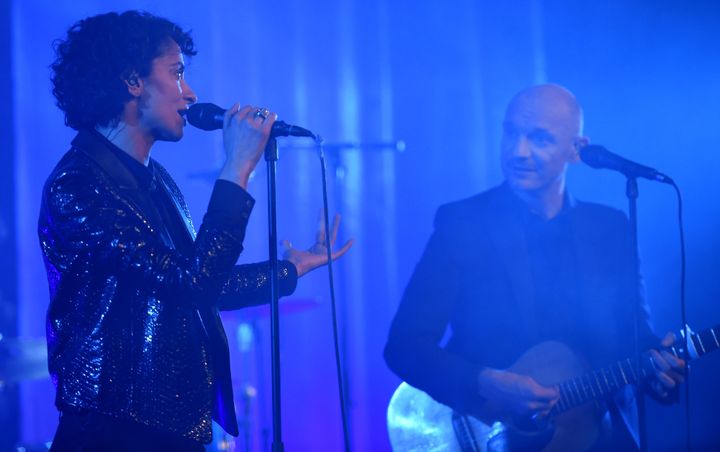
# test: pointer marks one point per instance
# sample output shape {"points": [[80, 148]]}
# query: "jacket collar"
{"points": [[91, 144]]}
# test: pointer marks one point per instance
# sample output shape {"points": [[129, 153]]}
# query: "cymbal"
{"points": [[22, 359]]}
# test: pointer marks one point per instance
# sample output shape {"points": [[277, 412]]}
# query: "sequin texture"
{"points": [[125, 335]]}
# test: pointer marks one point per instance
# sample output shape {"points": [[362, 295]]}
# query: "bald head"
{"points": [[551, 101]]}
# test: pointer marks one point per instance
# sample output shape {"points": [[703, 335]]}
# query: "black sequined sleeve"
{"points": [[91, 224], [249, 284]]}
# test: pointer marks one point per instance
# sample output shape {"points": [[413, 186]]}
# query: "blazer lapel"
{"points": [[180, 208], [123, 178], [507, 235], [223, 408]]}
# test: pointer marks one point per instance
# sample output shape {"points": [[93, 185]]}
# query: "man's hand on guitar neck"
{"points": [[517, 394], [669, 370]]}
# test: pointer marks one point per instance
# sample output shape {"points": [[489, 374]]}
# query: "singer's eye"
{"points": [[541, 138], [179, 71]]}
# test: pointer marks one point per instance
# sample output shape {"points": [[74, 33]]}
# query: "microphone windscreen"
{"points": [[597, 156], [205, 116]]}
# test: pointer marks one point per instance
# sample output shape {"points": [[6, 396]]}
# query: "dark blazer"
{"points": [[474, 277], [133, 327]]}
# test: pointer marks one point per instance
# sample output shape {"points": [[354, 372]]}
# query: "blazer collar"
{"points": [[91, 144]]}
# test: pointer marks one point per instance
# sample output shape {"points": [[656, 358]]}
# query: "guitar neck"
{"points": [[699, 344], [603, 382]]}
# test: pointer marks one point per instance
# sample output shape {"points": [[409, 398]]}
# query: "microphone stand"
{"points": [[631, 191], [271, 157]]}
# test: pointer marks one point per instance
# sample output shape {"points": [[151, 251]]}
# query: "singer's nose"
{"points": [[188, 93], [521, 147]]}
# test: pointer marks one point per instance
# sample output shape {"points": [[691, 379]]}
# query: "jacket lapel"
{"points": [[180, 207], [223, 408], [94, 148], [507, 235]]}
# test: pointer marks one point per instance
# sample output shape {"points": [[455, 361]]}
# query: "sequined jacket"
{"points": [[133, 328]]}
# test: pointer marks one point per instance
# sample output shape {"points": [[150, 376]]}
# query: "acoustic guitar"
{"points": [[416, 422]]}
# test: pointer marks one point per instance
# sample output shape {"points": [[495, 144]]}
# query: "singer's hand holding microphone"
{"points": [[245, 133]]}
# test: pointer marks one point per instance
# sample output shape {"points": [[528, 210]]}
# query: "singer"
{"points": [[519, 265], [136, 348]]}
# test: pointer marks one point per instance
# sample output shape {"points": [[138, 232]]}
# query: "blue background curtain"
{"points": [[436, 75]]}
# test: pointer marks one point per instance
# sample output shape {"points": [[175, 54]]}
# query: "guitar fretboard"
{"points": [[603, 382], [700, 343]]}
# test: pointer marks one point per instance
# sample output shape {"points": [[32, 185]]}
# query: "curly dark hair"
{"points": [[99, 54]]}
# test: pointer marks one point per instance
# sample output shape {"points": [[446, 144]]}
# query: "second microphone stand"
{"points": [[631, 190]]}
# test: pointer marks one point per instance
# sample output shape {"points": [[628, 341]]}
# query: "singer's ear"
{"points": [[134, 84], [578, 144]]}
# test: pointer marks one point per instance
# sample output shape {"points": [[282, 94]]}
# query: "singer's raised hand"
{"points": [[316, 255], [245, 134]]}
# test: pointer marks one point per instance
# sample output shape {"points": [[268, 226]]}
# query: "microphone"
{"points": [[207, 116], [597, 156]]}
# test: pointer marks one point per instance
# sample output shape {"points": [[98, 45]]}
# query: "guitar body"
{"points": [[416, 422]]}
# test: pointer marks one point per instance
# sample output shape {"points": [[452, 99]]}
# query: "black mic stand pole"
{"points": [[631, 191], [271, 157]]}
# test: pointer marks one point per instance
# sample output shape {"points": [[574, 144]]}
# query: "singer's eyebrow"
{"points": [[539, 132]]}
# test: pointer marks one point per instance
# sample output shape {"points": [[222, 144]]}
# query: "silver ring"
{"points": [[262, 113]]}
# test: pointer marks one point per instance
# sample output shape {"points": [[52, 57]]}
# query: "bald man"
{"points": [[522, 264]]}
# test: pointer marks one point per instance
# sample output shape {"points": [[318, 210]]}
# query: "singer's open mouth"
{"points": [[182, 114]]}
